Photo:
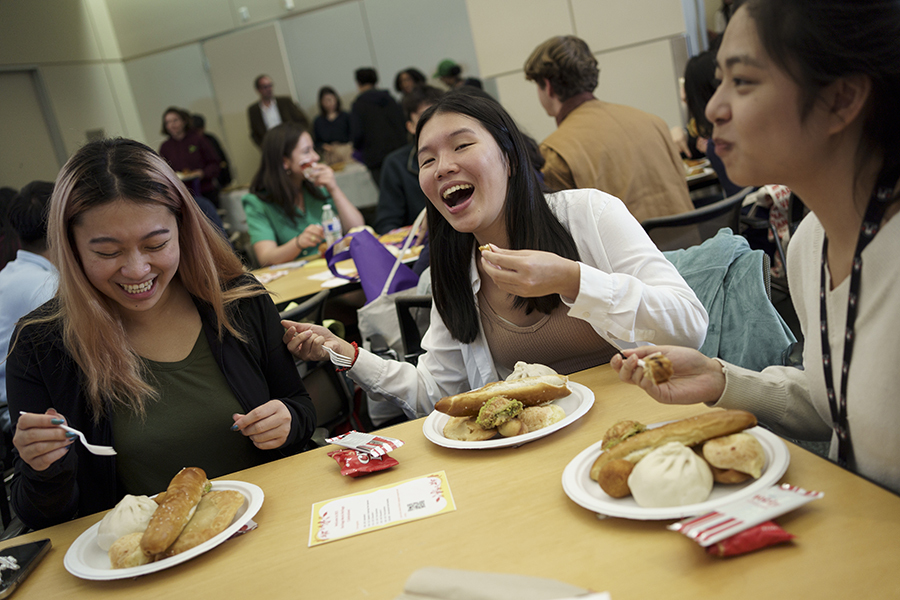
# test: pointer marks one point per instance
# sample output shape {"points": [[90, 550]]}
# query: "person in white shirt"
{"points": [[563, 280], [808, 101], [30, 279]]}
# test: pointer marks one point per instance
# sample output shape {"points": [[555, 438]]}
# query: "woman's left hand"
{"points": [[267, 426], [532, 273], [322, 175]]}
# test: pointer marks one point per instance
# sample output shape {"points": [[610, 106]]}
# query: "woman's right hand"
{"points": [[696, 377], [39, 439], [306, 341], [312, 236]]}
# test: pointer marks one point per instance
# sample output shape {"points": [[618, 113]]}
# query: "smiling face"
{"points": [[129, 252], [302, 157], [174, 125], [464, 174], [758, 130]]}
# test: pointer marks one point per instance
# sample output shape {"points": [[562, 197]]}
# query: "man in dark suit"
{"points": [[271, 110]]}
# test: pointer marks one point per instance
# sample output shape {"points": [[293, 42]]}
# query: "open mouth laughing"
{"points": [[139, 288], [456, 194]]}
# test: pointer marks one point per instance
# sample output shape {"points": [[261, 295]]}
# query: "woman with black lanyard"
{"points": [[810, 97]]}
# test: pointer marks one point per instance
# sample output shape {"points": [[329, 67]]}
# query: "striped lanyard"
{"points": [[878, 204]]}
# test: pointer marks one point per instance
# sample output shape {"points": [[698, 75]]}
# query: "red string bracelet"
{"points": [[355, 354]]}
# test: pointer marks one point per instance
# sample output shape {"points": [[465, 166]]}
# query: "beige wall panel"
{"points": [[25, 144], [641, 76], [266, 10], [506, 31], [606, 24], [519, 97], [171, 78], [29, 35], [132, 127], [82, 100], [144, 26], [235, 60]]}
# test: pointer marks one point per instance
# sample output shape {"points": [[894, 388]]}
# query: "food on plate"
{"points": [[690, 432], [658, 368], [613, 477], [169, 519], [522, 369], [214, 513], [130, 515], [739, 452], [497, 411], [530, 391], [126, 552], [670, 475], [620, 432], [465, 429]]}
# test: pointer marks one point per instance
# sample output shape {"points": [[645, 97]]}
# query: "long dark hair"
{"points": [[326, 89], [271, 183], [818, 41], [699, 86], [530, 224]]}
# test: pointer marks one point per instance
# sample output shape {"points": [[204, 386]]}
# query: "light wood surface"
{"points": [[301, 282], [512, 516]]}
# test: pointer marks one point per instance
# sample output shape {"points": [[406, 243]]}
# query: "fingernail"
{"points": [[234, 427], [57, 421], [70, 435]]}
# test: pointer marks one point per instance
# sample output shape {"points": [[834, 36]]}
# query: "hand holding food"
{"points": [[695, 378], [532, 273]]}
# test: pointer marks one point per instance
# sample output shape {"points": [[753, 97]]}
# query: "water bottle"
{"points": [[332, 224]]}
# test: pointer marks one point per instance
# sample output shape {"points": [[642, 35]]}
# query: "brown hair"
{"points": [[183, 114], [113, 170], [567, 63]]}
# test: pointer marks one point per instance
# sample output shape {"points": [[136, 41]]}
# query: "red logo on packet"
{"points": [[355, 463]]}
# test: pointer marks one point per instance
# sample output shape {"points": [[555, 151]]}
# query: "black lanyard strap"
{"points": [[878, 203]]}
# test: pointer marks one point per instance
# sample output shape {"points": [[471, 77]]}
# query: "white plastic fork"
{"points": [[92, 448], [338, 360]]}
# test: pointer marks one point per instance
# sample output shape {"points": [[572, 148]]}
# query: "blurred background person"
{"points": [[407, 80], [377, 123], [30, 279], [450, 75], [331, 127], [9, 241], [287, 194], [199, 125], [271, 110], [190, 155]]}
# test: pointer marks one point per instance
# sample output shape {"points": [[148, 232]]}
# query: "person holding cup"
{"points": [[287, 195]]}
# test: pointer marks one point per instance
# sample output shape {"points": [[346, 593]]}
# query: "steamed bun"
{"points": [[131, 515], [521, 370], [671, 475]]}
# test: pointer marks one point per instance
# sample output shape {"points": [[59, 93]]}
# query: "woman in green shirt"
{"points": [[284, 206]]}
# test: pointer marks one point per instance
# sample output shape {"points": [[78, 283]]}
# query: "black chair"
{"points": [[688, 229], [413, 313], [311, 310], [332, 398]]}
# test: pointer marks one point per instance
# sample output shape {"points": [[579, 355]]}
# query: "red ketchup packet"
{"points": [[740, 515], [759, 536], [373, 445], [355, 463]]}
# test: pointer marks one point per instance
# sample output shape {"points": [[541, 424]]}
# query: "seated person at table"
{"points": [[157, 343], [332, 125], [568, 276], [400, 198], [806, 100], [284, 206]]}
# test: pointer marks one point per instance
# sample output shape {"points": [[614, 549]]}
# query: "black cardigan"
{"points": [[41, 374]]}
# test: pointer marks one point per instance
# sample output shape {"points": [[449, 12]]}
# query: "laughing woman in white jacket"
{"points": [[562, 280]]}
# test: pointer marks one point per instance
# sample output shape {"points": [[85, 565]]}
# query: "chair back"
{"points": [[414, 314], [330, 395], [688, 229], [311, 310]]}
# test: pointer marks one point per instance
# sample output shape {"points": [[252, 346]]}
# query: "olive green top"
{"points": [[189, 426]]}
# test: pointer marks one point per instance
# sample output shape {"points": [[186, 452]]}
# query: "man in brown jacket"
{"points": [[614, 148], [271, 110]]}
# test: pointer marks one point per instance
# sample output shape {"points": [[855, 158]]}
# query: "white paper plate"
{"points": [[575, 404], [85, 559], [584, 491], [706, 172]]}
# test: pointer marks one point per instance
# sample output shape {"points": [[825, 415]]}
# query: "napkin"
{"points": [[435, 583]]}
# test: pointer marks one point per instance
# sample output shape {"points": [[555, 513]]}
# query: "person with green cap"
{"points": [[450, 74]]}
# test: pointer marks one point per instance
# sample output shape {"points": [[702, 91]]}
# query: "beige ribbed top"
{"points": [[563, 343]]}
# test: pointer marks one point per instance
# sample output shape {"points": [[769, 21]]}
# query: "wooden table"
{"points": [[513, 516]]}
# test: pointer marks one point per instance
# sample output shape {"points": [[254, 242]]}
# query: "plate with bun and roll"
{"points": [[144, 535], [532, 403], [676, 469]]}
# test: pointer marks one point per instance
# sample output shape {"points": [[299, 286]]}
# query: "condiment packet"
{"points": [[755, 538], [373, 445], [743, 514], [355, 463], [247, 527]]}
